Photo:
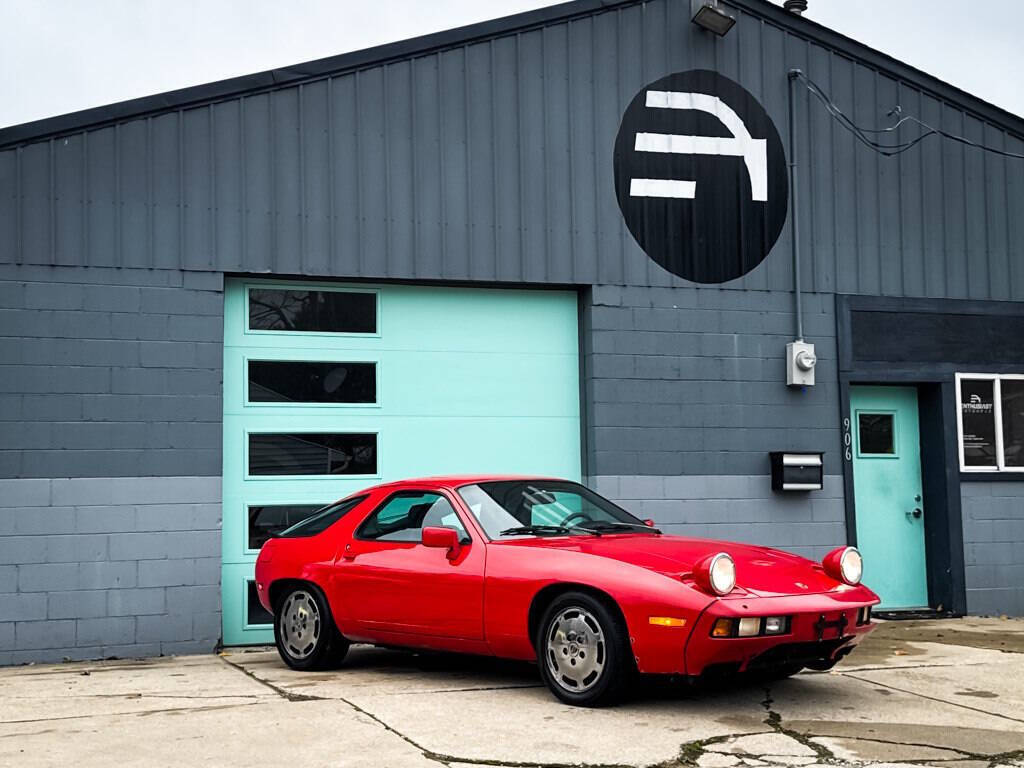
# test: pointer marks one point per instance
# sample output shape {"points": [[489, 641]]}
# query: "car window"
{"points": [[505, 505], [404, 516], [321, 520]]}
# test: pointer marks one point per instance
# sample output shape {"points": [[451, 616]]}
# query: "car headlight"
{"points": [[716, 574], [844, 564]]}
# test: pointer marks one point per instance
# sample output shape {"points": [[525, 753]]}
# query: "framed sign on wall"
{"points": [[990, 423]]}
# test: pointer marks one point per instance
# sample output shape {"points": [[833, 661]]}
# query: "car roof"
{"points": [[451, 482]]}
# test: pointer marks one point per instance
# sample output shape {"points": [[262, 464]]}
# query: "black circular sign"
{"points": [[700, 175]]}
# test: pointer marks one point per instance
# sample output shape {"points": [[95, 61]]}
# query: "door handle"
{"points": [[916, 513]]}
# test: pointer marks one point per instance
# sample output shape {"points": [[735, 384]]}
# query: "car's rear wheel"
{"points": [[583, 651], [304, 630]]}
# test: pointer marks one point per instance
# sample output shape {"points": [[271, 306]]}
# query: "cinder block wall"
{"points": [[686, 395], [110, 434], [993, 519]]}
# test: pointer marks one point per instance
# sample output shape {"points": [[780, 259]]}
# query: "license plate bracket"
{"points": [[839, 625]]}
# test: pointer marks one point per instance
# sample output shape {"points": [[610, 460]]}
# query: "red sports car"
{"points": [[537, 568]]}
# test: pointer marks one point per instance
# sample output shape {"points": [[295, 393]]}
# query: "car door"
{"points": [[393, 583]]}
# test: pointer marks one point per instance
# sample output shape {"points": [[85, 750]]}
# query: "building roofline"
{"points": [[318, 69]]}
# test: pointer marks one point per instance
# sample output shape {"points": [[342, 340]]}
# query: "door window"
{"points": [[404, 516], [876, 434]]}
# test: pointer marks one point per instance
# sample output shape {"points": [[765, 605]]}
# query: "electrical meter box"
{"points": [[800, 362]]}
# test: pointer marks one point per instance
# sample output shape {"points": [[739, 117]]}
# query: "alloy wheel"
{"points": [[300, 624], [575, 652]]}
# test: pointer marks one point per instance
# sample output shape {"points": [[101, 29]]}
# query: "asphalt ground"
{"points": [[941, 693]]}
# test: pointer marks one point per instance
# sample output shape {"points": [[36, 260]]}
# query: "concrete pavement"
{"points": [[944, 693]]}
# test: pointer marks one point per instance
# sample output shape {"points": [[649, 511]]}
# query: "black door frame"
{"points": [[940, 462]]}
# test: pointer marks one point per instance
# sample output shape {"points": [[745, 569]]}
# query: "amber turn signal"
{"points": [[667, 621], [722, 628]]}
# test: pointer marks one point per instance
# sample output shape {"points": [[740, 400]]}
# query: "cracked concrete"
{"points": [[941, 693]]}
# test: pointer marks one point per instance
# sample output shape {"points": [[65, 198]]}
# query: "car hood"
{"points": [[760, 571]]}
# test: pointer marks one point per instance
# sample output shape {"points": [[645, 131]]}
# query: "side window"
{"points": [[404, 516]]}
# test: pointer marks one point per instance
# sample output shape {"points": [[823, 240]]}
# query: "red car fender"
{"points": [[516, 575]]}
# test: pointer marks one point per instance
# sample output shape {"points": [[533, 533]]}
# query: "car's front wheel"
{"points": [[583, 651], [304, 630]]}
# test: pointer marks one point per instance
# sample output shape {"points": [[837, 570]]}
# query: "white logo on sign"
{"points": [[753, 151], [975, 398]]}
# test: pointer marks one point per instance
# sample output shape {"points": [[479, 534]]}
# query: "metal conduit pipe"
{"points": [[794, 205]]}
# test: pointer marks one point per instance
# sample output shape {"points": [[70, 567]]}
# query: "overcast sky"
{"points": [[59, 56]]}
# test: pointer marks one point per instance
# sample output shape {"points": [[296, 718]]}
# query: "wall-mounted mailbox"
{"points": [[796, 471]]}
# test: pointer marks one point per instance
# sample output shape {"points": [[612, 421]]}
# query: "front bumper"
{"points": [[823, 629]]}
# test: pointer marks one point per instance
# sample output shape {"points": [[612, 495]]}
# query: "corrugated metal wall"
{"points": [[493, 161]]}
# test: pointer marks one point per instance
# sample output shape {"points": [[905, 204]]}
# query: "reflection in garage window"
{"points": [[267, 521], [279, 309], [303, 382], [313, 454], [254, 612]]}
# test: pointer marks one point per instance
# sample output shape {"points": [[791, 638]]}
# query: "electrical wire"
{"points": [[889, 150]]}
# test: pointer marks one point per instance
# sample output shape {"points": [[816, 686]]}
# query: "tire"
{"points": [[583, 651], [304, 630]]}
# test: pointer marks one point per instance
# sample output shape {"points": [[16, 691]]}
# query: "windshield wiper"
{"points": [[602, 525], [542, 529]]}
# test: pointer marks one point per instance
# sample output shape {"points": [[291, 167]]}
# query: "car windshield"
{"points": [[510, 508]]}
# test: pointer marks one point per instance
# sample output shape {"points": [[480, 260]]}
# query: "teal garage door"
{"points": [[331, 388]]}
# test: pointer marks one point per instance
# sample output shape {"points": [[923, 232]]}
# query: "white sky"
{"points": [[59, 56]]}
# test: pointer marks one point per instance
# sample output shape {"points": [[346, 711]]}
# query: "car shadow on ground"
{"points": [[498, 673]]}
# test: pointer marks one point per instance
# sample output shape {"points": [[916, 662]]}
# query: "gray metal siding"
{"points": [[109, 373], [492, 161]]}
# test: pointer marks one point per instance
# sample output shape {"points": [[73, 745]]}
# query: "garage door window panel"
{"points": [[269, 520], [287, 310], [288, 381], [312, 454]]}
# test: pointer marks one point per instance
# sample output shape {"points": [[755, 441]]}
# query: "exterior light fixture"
{"points": [[708, 15]]}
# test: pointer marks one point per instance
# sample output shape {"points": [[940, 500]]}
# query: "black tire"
{"points": [[573, 626], [304, 630]]}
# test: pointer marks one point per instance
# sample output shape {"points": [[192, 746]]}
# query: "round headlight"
{"points": [[851, 565], [722, 573], [844, 564]]}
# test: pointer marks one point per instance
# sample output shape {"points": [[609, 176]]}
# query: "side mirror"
{"points": [[649, 522], [443, 538]]}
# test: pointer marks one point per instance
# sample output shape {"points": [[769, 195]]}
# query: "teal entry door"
{"points": [[331, 388], [888, 494]]}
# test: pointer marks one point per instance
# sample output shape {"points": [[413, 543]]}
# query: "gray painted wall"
{"points": [[734, 508], [110, 433], [993, 518], [98, 567], [110, 372], [492, 160], [692, 381]]}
